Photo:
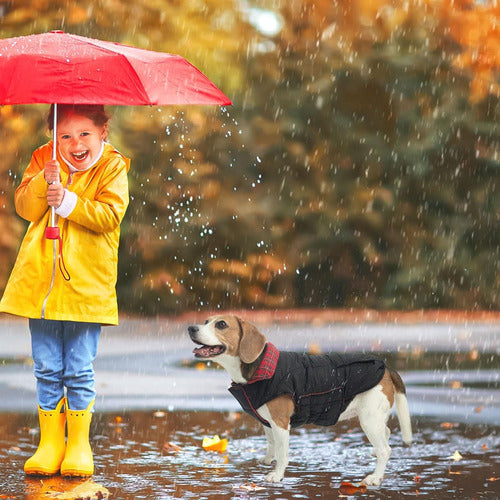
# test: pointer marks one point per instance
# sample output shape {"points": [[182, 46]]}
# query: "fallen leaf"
{"points": [[233, 416], [456, 456], [169, 447], [474, 355], [485, 446], [214, 444], [159, 414], [248, 487], [455, 384], [453, 472], [491, 479], [417, 479], [478, 409], [347, 488], [117, 422], [448, 425], [88, 490]]}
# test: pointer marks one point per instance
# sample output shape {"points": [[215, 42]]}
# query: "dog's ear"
{"points": [[252, 342]]}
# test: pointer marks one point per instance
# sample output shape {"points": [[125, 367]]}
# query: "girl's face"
{"points": [[80, 140]]}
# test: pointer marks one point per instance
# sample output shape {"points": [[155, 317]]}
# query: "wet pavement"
{"points": [[151, 393]]}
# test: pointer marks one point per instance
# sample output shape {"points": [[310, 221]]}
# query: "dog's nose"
{"points": [[192, 329]]}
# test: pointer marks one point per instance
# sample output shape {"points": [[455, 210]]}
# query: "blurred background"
{"points": [[358, 166]]}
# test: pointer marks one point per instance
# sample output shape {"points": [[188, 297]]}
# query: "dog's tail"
{"points": [[402, 409]]}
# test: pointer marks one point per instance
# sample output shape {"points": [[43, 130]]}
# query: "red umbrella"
{"points": [[59, 67]]}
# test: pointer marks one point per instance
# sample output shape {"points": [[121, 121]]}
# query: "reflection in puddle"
{"points": [[133, 458]]}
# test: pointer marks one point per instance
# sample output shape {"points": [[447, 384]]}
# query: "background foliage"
{"points": [[357, 167]]}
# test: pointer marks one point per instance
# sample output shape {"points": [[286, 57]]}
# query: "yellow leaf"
{"points": [[88, 489], [214, 444]]}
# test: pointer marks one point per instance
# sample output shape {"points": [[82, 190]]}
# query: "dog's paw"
{"points": [[274, 477], [372, 480], [266, 460]]}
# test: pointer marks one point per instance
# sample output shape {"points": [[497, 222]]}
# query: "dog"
{"points": [[287, 389]]}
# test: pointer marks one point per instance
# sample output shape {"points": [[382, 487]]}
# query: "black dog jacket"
{"points": [[322, 386]]}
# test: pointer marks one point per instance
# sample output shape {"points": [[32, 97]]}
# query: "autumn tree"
{"points": [[357, 167]]}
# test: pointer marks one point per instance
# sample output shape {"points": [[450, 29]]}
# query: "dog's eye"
{"points": [[221, 325]]}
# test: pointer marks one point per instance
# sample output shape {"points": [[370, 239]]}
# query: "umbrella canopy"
{"points": [[59, 67]]}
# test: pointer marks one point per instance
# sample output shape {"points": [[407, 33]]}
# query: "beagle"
{"points": [[287, 389]]}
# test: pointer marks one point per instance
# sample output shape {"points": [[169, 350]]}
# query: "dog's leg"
{"points": [[373, 416], [280, 437], [281, 441], [270, 452]]}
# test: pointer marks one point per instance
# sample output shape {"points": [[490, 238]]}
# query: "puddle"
{"points": [[133, 459], [454, 400]]}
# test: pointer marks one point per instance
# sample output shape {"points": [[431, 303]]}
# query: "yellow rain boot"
{"points": [[50, 453], [78, 460]]}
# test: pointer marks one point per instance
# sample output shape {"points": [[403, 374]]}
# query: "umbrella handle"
{"points": [[52, 231], [52, 216]]}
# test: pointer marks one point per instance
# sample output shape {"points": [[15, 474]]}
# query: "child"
{"points": [[67, 288]]}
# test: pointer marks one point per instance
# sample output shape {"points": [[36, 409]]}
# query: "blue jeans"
{"points": [[63, 352]]}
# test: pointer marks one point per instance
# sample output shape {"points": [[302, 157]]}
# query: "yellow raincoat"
{"points": [[90, 236]]}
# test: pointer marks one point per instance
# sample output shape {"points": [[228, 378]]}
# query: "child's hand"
{"points": [[55, 194], [51, 171]]}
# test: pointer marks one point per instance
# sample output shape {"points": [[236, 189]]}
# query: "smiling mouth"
{"points": [[208, 351], [80, 156]]}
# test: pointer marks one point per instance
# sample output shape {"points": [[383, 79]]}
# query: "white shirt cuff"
{"points": [[68, 204]]}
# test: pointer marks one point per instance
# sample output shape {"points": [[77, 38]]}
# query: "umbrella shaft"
{"points": [[54, 155], [54, 135]]}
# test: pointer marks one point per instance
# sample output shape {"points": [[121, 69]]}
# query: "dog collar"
{"points": [[268, 364]]}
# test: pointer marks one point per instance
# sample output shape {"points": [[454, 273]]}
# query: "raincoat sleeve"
{"points": [[105, 211], [31, 195]]}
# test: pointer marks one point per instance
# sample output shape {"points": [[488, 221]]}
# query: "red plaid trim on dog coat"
{"points": [[268, 364]]}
